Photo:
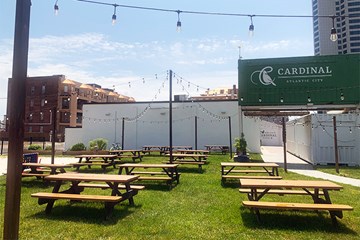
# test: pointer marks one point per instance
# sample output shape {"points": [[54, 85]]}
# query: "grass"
{"points": [[198, 208], [344, 171]]}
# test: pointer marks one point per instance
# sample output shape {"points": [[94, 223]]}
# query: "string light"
{"points": [[251, 27], [114, 15], [333, 34], [56, 8], [178, 24]]}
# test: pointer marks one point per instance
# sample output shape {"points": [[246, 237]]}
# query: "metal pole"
{"points": [[196, 133], [16, 100], [115, 127], [336, 146], [2, 145], [53, 138], [284, 143], [170, 116], [230, 147], [122, 133]]}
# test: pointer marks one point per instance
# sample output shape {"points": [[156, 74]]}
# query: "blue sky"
{"points": [[82, 44]]}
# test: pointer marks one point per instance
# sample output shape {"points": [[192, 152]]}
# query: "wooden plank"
{"points": [[96, 198], [296, 206], [25, 174], [151, 173], [280, 191], [258, 183], [251, 177], [154, 178], [105, 186], [248, 164], [245, 171]]}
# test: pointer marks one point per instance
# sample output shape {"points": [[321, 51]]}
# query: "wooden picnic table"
{"points": [[73, 193], [103, 160], [134, 153], [166, 149], [168, 172], [249, 170], [258, 188], [191, 151], [187, 158], [222, 148], [41, 170]]}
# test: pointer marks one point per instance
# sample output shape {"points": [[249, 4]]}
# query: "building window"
{"points": [[32, 90], [43, 102], [30, 117], [66, 88], [65, 103], [41, 116], [30, 129], [43, 89], [41, 129], [32, 103]]}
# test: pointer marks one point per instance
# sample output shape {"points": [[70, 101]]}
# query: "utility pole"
{"points": [[16, 100], [170, 116]]}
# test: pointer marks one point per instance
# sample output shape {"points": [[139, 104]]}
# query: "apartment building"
{"points": [[48, 95]]}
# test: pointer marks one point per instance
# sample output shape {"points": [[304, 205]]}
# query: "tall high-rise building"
{"points": [[347, 26]]}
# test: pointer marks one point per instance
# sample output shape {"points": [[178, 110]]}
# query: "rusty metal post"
{"points": [[336, 146], [284, 143], [16, 100]]}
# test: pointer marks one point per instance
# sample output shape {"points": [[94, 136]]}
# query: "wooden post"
{"points": [[123, 133], [16, 100], [230, 147], [170, 116], [284, 142], [196, 133], [336, 146], [53, 116]]}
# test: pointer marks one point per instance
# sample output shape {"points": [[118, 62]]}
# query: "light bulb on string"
{"points": [[251, 27], [178, 24], [113, 18], [143, 80], [56, 8], [333, 33]]}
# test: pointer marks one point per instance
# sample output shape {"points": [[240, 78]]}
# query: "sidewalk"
{"points": [[60, 160], [296, 165]]}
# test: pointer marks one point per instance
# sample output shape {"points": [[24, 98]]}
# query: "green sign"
{"points": [[316, 80]]}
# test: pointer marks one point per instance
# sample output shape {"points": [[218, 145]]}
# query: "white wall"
{"points": [[312, 138], [270, 134], [105, 121]]}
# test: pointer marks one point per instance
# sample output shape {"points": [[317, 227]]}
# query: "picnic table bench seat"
{"points": [[89, 164], [38, 175], [245, 171], [151, 173], [250, 177], [280, 191], [335, 210], [76, 197]]}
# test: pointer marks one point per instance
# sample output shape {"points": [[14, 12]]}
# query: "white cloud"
{"points": [[94, 57]]}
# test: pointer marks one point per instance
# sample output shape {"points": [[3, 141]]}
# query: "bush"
{"points": [[34, 147], [98, 144], [78, 147], [49, 148]]}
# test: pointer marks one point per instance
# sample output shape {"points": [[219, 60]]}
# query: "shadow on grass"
{"points": [[81, 212], [36, 183], [291, 220], [230, 184], [156, 186], [183, 169]]}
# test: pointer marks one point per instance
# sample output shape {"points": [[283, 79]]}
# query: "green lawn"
{"points": [[198, 208], [352, 172]]}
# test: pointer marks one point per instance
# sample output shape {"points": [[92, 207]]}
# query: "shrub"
{"points": [[78, 147], [34, 147], [98, 144], [48, 148]]}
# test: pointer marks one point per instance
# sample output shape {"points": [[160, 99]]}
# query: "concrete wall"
{"points": [[152, 128]]}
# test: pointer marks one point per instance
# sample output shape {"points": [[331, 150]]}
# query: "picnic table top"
{"points": [[96, 156], [248, 164], [319, 184], [46, 165], [186, 155], [126, 150], [93, 177], [148, 165], [216, 145]]}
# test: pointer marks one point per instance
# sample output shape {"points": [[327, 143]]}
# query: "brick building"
{"points": [[46, 94]]}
